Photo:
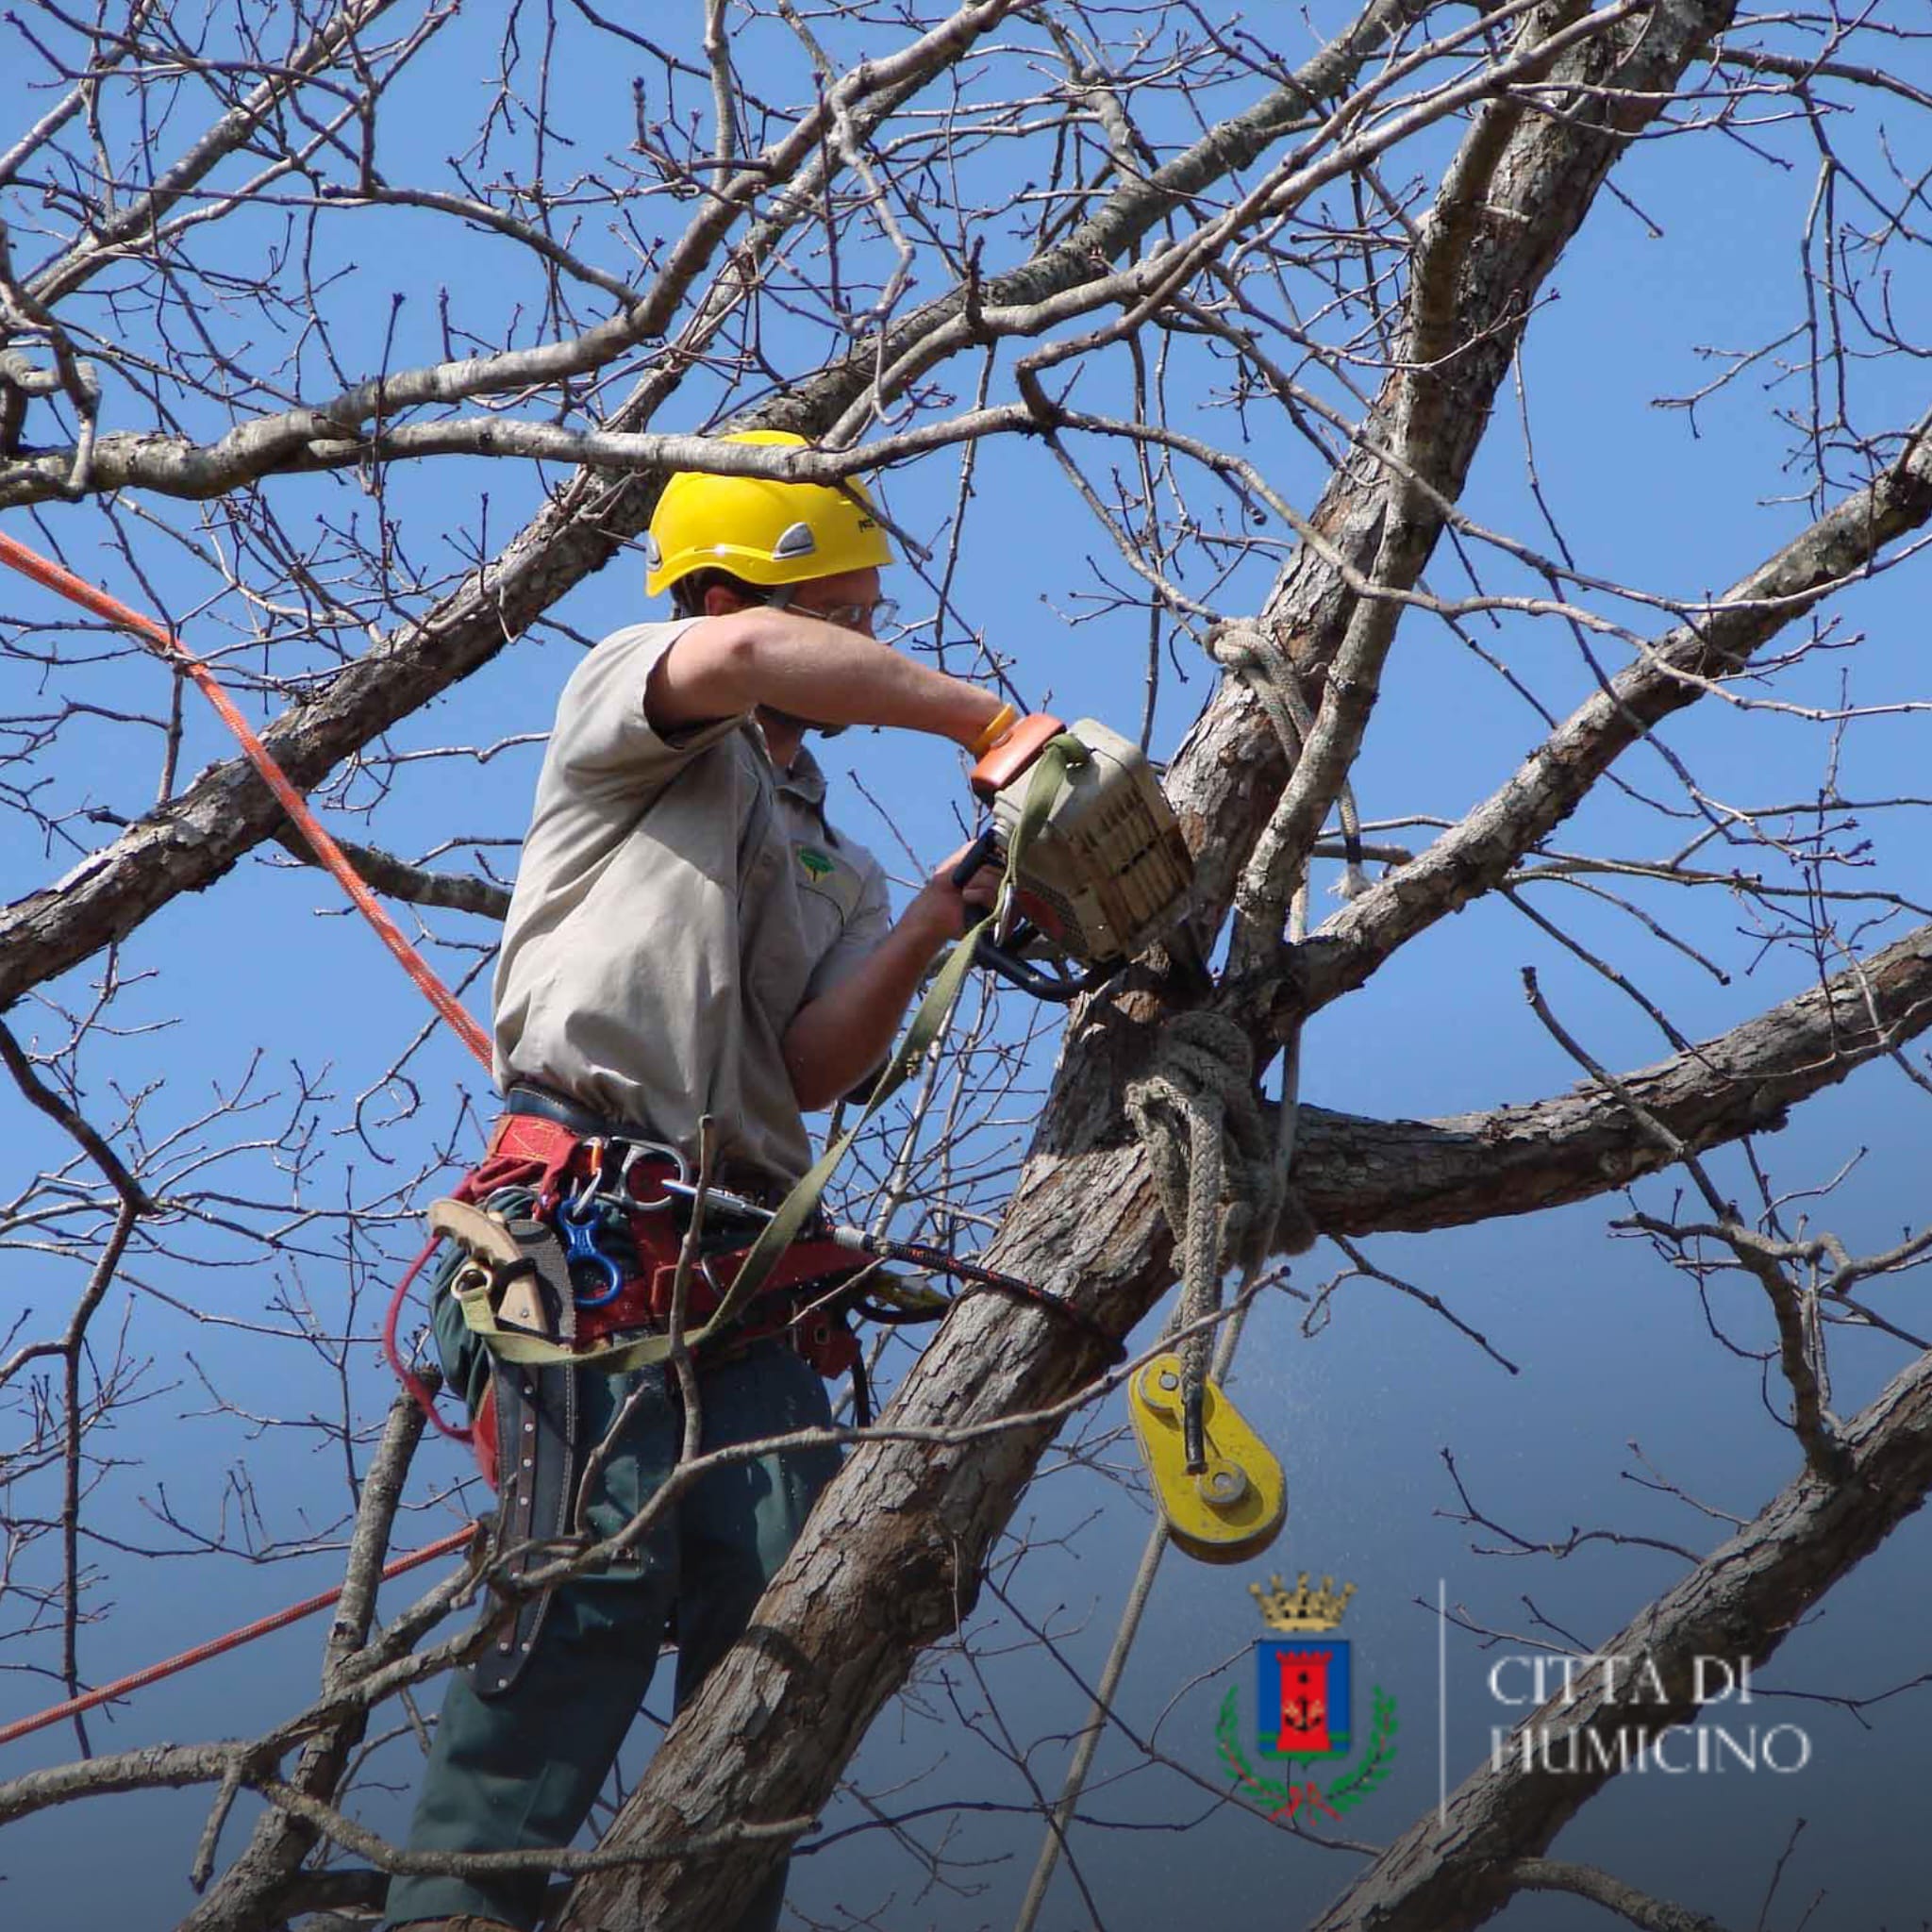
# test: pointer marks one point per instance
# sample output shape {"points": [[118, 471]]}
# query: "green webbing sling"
{"points": [[1050, 769]]}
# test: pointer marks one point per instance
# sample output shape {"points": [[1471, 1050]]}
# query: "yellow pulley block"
{"points": [[1232, 1508]]}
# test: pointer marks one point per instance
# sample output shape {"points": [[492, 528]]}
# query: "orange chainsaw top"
{"points": [[677, 901]]}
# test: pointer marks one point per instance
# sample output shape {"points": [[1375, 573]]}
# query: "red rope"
{"points": [[426, 1396], [30, 563], [215, 1646]]}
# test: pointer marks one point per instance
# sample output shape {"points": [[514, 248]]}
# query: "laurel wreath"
{"points": [[1280, 1799]]}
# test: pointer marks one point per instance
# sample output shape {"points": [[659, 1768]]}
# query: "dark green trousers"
{"points": [[521, 1771]]}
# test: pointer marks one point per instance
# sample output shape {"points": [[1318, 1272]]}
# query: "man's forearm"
{"points": [[832, 1044], [798, 664]]}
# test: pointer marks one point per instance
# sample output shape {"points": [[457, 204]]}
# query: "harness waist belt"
{"points": [[582, 1193], [529, 1098]]}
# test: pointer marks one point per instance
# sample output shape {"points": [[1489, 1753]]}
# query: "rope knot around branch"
{"points": [[1222, 1174], [1253, 651], [1197, 1113]]}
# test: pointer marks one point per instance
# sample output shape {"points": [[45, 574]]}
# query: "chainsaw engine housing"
{"points": [[1107, 872]]}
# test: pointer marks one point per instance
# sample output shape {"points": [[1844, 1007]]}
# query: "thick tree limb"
{"points": [[898, 1539], [1361, 1177]]}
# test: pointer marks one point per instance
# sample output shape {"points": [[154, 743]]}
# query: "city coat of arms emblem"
{"points": [[1303, 1706]]}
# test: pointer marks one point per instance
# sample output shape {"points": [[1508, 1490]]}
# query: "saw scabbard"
{"points": [[538, 1462], [514, 1265]]}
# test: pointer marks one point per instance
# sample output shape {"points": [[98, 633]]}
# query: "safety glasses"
{"points": [[879, 615]]}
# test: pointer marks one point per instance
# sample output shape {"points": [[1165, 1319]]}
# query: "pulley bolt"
{"points": [[1222, 1487]]}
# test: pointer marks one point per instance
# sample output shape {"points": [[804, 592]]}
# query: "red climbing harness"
{"points": [[573, 1178]]}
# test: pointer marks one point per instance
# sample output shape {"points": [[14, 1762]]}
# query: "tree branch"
{"points": [[1739, 1604], [1673, 673], [417, 885], [1361, 1176], [1601, 1888]]}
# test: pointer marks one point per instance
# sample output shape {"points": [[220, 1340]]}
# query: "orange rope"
{"points": [[30, 563], [217, 1645], [52, 577]]}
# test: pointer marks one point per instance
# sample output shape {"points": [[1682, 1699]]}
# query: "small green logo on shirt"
{"points": [[815, 862]]}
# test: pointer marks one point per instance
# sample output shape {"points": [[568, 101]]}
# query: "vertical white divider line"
{"points": [[1442, 1700]]}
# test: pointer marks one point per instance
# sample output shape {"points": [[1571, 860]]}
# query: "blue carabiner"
{"points": [[580, 1230]]}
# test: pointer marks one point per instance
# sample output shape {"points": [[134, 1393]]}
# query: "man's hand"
{"points": [[945, 909]]}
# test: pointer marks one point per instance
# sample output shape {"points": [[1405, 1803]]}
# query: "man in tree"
{"points": [[690, 936]]}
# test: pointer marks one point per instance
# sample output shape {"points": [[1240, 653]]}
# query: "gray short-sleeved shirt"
{"points": [[677, 904]]}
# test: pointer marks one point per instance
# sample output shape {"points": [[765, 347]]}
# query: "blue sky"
{"points": [[1613, 1347]]}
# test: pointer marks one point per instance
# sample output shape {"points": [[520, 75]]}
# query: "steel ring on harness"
{"points": [[579, 1221]]}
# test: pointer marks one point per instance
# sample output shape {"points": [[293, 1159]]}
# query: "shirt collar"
{"points": [[805, 781], [804, 785]]}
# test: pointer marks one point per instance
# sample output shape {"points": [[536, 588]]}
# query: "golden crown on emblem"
{"points": [[1302, 1609]]}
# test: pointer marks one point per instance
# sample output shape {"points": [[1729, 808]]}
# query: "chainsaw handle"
{"points": [[1060, 990], [984, 851]]}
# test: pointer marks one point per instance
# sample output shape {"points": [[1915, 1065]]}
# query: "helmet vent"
{"points": [[796, 542]]}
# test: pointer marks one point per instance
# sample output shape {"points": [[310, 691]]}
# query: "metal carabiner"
{"points": [[635, 1151], [579, 1221], [590, 1185]]}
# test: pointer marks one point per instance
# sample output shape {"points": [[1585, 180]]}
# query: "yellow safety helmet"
{"points": [[764, 532]]}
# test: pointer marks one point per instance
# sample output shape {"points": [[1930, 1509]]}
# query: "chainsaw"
{"points": [[1101, 878]]}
